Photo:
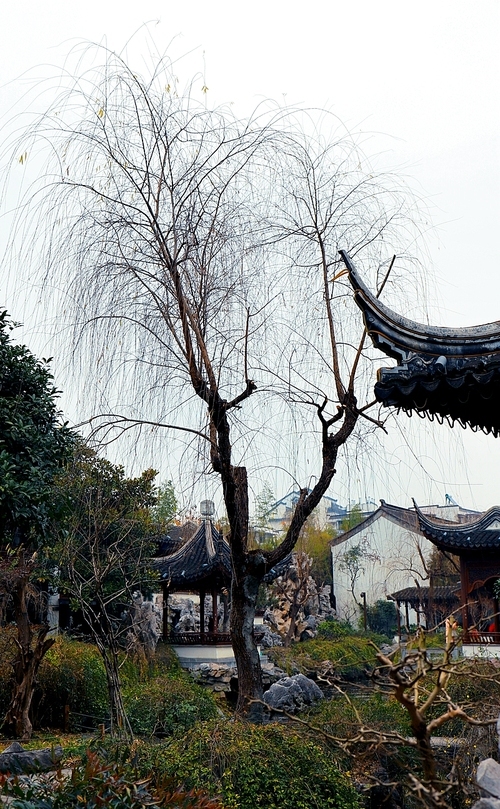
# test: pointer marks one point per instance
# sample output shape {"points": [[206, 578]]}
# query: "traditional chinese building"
{"points": [[453, 375], [201, 567], [477, 544]]}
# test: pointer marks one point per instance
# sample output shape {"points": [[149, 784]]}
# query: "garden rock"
{"points": [[292, 694], [15, 759], [221, 677], [488, 777], [270, 638]]}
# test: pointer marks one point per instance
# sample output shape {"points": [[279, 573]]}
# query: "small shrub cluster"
{"points": [[331, 629], [251, 766], [72, 673], [167, 705], [339, 716], [382, 618], [349, 656], [96, 783], [7, 653], [160, 699]]}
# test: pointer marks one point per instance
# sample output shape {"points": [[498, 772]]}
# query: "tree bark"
{"points": [[30, 652], [108, 648], [249, 567], [244, 590]]}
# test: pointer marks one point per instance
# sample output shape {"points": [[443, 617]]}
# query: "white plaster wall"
{"points": [[392, 559]]}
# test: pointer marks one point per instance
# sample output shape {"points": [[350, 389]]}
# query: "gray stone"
{"points": [[15, 747], [488, 777], [292, 694], [16, 760], [270, 638], [487, 803]]}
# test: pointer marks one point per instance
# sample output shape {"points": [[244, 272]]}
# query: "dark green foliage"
{"points": [[349, 656], [159, 700], [331, 629], [166, 506], [7, 654], [97, 783], [382, 617], [167, 705], [105, 536], [33, 442], [103, 551], [376, 710], [251, 766], [73, 674]]}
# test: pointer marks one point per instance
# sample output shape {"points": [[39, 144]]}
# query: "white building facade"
{"points": [[385, 553]]}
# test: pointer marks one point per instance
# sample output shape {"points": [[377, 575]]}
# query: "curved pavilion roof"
{"points": [[444, 373], [203, 562], [442, 594], [483, 534]]}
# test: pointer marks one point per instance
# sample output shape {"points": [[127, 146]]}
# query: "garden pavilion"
{"points": [[202, 566]]}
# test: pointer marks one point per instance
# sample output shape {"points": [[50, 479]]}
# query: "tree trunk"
{"points": [[422, 737], [17, 721], [120, 724], [292, 614], [244, 590]]}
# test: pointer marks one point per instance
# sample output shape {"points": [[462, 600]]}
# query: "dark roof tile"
{"points": [[483, 533], [204, 560]]}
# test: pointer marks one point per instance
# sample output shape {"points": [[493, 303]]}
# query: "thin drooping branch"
{"points": [[197, 252]]}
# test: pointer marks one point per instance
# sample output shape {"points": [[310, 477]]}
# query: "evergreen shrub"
{"points": [[376, 710], [97, 783], [383, 618], [72, 673], [251, 766], [167, 705], [7, 654], [349, 656], [331, 629]]}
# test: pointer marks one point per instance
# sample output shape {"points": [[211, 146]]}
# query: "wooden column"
{"points": [[165, 613], [202, 610], [464, 595], [214, 610]]}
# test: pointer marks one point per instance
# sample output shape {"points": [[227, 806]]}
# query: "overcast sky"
{"points": [[422, 77]]}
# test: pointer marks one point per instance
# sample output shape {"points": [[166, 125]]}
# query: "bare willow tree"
{"points": [[198, 254]]}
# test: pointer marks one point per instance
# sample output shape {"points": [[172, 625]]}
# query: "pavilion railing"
{"points": [[203, 638], [198, 638], [481, 638]]}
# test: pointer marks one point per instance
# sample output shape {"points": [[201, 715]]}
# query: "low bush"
{"points": [[341, 716], [331, 629], [72, 673], [382, 618], [167, 705], [350, 656], [7, 654], [252, 766], [97, 783]]}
